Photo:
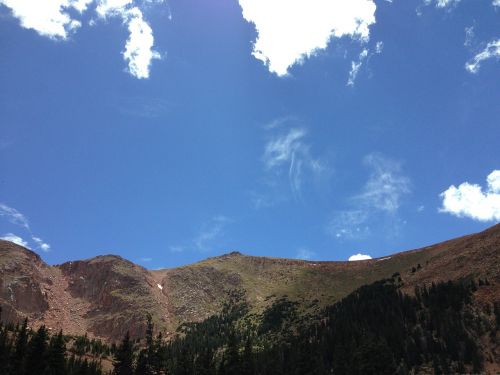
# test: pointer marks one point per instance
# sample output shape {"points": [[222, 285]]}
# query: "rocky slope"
{"points": [[108, 295]]}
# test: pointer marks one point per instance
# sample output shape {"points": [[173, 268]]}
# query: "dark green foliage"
{"points": [[24, 352], [57, 355], [123, 362], [375, 330]]}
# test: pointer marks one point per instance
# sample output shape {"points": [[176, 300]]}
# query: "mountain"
{"points": [[107, 295]]}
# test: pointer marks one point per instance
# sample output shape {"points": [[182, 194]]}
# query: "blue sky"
{"points": [[170, 131]]}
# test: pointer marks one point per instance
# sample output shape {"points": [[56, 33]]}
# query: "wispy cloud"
{"points": [[469, 200], [363, 57], [14, 216], [15, 239], [491, 51], [210, 232], [386, 185], [442, 3], [305, 254], [288, 152], [349, 224], [469, 36], [17, 218], [58, 19], [290, 31], [359, 256], [381, 196]]}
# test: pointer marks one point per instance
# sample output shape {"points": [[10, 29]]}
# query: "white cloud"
{"points": [[45, 247], [14, 216], [56, 20], [492, 50], [355, 66], [496, 3], [139, 52], [305, 254], [291, 30], [146, 260], [469, 200], [113, 8], [15, 239], [359, 256], [48, 18], [288, 151], [139, 47]]}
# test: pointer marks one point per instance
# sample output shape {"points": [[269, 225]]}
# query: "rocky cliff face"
{"points": [[108, 295], [23, 282]]}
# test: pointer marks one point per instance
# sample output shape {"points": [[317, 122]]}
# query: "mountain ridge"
{"points": [[106, 295]]}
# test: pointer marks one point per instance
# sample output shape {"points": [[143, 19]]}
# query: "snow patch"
{"points": [[159, 287]]}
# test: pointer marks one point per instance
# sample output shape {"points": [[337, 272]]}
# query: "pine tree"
{"points": [[36, 360], [57, 355], [18, 357], [123, 362]]}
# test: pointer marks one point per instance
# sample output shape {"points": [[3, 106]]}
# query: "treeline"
{"points": [[375, 330], [27, 352]]}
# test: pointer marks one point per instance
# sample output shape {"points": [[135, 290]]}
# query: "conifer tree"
{"points": [[18, 357], [123, 362], [36, 360], [57, 355]]}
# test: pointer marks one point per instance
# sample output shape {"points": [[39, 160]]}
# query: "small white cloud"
{"points": [[291, 30], [355, 66], [496, 3], [469, 35], [14, 216], [15, 239], [491, 51], [360, 256], [469, 200], [305, 254], [146, 260], [45, 247], [48, 18]]}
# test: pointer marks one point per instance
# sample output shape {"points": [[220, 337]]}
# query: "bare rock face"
{"points": [[108, 295], [120, 294], [23, 282]]}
